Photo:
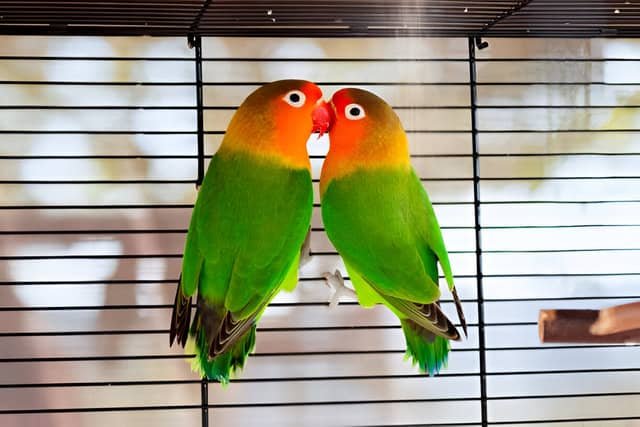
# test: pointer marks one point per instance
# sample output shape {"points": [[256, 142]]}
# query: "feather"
{"points": [[180, 317], [430, 352], [463, 320], [428, 316]]}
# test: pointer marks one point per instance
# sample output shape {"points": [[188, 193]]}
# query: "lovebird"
{"points": [[378, 216], [247, 227]]}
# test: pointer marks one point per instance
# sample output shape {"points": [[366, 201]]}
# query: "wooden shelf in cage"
{"points": [[614, 325]]}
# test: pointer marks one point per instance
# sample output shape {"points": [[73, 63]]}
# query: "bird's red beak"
{"points": [[322, 117]]}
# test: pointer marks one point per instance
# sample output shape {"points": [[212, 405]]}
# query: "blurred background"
{"points": [[97, 169]]}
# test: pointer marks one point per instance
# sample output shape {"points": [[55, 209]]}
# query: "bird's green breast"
{"points": [[373, 201]]}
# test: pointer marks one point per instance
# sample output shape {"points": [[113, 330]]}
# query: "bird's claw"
{"points": [[305, 251], [335, 281]]}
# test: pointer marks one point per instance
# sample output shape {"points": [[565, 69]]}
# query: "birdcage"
{"points": [[523, 121]]}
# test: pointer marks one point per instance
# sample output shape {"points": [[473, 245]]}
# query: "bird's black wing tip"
{"points": [[180, 317], [463, 320]]}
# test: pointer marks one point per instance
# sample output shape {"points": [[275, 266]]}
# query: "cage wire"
{"points": [[528, 150]]}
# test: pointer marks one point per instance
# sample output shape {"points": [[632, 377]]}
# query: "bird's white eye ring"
{"points": [[295, 98], [354, 112]]}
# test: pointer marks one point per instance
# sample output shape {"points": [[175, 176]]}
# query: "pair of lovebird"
{"points": [[253, 212]]}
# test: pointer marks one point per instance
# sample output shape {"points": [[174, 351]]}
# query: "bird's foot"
{"points": [[335, 281]]}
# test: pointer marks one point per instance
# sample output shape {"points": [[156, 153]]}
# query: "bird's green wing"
{"points": [[433, 235], [370, 216], [428, 316], [425, 216], [233, 328], [383, 224], [253, 216], [247, 227]]}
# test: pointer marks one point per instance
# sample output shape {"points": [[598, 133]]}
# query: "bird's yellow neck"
{"points": [[349, 152]]}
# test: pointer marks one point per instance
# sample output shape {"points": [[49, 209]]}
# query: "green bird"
{"points": [[248, 224], [378, 216]]}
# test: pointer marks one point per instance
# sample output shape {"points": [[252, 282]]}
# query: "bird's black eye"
{"points": [[354, 112], [295, 98]]}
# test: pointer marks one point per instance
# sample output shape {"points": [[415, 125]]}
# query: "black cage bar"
{"points": [[330, 18]]}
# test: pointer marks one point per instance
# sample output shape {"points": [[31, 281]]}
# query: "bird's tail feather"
{"points": [[222, 366], [220, 344], [429, 351]]}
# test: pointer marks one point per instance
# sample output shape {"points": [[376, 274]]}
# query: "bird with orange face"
{"points": [[247, 227], [378, 216]]}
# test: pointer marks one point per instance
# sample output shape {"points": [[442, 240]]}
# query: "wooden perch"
{"points": [[613, 325]]}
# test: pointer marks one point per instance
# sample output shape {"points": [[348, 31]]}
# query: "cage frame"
{"points": [[206, 18]]}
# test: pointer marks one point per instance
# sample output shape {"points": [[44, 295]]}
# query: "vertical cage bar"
{"points": [[204, 398], [197, 44], [195, 41], [478, 227]]}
